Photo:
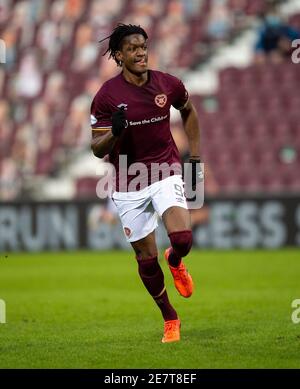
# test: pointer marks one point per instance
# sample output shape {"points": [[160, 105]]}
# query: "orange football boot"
{"points": [[171, 331], [182, 279]]}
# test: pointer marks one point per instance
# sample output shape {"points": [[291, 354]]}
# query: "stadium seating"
{"points": [[260, 115], [53, 58]]}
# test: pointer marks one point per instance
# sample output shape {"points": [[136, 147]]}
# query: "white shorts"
{"points": [[139, 210]]}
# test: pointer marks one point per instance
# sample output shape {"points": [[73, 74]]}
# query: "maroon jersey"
{"points": [[147, 138]]}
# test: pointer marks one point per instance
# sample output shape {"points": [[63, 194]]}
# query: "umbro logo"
{"points": [[123, 105]]}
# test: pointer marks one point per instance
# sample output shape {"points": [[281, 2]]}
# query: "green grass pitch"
{"points": [[90, 310]]}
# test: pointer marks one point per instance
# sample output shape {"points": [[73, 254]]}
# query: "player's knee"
{"points": [[181, 242], [148, 267], [146, 253]]}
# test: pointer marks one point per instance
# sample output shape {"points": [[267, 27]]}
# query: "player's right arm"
{"points": [[103, 141], [107, 125]]}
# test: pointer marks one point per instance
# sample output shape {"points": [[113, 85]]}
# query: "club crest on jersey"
{"points": [[160, 100], [127, 231]]}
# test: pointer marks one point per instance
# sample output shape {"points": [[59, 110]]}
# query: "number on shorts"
{"points": [[178, 190]]}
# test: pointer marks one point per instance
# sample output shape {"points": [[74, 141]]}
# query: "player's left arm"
{"points": [[182, 102], [191, 127]]}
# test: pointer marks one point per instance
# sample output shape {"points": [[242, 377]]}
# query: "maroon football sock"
{"points": [[174, 259], [153, 279], [165, 306], [181, 242]]}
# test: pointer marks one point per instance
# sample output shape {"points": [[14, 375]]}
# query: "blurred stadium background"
{"points": [[235, 57], [238, 61]]}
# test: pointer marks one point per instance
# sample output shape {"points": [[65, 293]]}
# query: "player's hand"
{"points": [[197, 173], [118, 122]]}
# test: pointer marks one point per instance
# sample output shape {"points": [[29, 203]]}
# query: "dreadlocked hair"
{"points": [[118, 34]]}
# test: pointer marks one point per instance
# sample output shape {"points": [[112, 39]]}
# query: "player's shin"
{"points": [[153, 279]]}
